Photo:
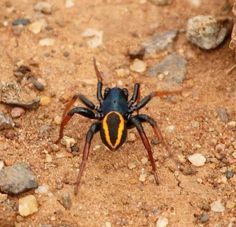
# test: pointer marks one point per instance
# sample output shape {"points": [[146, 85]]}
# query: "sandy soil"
{"points": [[111, 192]]}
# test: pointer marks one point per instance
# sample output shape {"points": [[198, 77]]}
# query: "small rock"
{"points": [[48, 158], [131, 165], [5, 122], [234, 154], [232, 125], [21, 21], [162, 222], [37, 26], [222, 114], [45, 100], [57, 120], [195, 124], [66, 201], [95, 37], [42, 189], [107, 224], [229, 174], [217, 206], [230, 204], [122, 72], [160, 42], [28, 205], [16, 179], [220, 147], [170, 129], [1, 165], [138, 66], [17, 112], [204, 217], [43, 7], [142, 176], [144, 160], [68, 142], [195, 3], [208, 32], [3, 197], [46, 42], [161, 2], [69, 3], [173, 67], [197, 159]]}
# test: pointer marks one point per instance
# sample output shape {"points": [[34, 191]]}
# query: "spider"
{"points": [[114, 117]]}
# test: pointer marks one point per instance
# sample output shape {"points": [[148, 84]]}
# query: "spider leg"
{"points": [[147, 98], [135, 96], [68, 115], [99, 84], [93, 129], [137, 123], [157, 131], [86, 102]]}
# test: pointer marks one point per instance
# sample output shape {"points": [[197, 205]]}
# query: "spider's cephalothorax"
{"points": [[113, 116]]}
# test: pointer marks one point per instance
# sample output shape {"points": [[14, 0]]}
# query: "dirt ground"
{"points": [[111, 192]]}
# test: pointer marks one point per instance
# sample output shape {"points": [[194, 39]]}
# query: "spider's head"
{"points": [[113, 130]]}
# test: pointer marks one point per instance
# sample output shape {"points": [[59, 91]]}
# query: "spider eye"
{"points": [[126, 93], [106, 91]]}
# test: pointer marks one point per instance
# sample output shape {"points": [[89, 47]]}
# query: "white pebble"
{"points": [[217, 206], [142, 176], [197, 159], [42, 189], [37, 26], [95, 37], [107, 224], [27, 205], [46, 42], [68, 142], [195, 3], [131, 165], [43, 7], [170, 128], [162, 222], [69, 3], [232, 124], [138, 66]]}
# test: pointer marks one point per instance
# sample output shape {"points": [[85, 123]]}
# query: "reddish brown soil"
{"points": [[110, 191]]}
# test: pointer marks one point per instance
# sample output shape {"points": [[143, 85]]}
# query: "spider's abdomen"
{"points": [[113, 130]]}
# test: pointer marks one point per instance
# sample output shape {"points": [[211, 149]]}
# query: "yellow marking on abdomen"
{"points": [[120, 129]]}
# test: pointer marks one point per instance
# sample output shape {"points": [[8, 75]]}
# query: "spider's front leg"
{"points": [[76, 110], [95, 127], [137, 123]]}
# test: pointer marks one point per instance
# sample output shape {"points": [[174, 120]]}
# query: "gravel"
{"points": [[43, 7], [46, 42], [162, 222], [161, 2], [17, 112], [229, 174], [217, 206], [138, 66], [197, 159], [27, 205], [204, 217], [6, 122], [16, 179], [208, 32], [21, 21], [173, 67], [222, 114], [65, 200]]}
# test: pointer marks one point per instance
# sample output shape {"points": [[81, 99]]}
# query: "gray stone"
{"points": [[16, 179], [222, 114], [204, 217], [21, 21], [160, 42], [5, 122], [173, 67], [66, 201], [208, 32]]}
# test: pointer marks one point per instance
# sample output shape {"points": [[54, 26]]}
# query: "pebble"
{"points": [[3, 197], [45, 100], [16, 179], [220, 147], [46, 42], [57, 120], [170, 129], [131, 165], [107, 224], [234, 155], [37, 26], [43, 7], [5, 121], [144, 160], [68, 142], [197, 159], [27, 205], [160, 42], [204, 217], [142, 176], [122, 72], [229, 174], [95, 37], [173, 67], [21, 21], [1, 165], [161, 2], [42, 189], [207, 32], [66, 201], [138, 66], [69, 4], [217, 206], [48, 158], [17, 112], [232, 125], [162, 222], [195, 3], [230, 204], [222, 114]]}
